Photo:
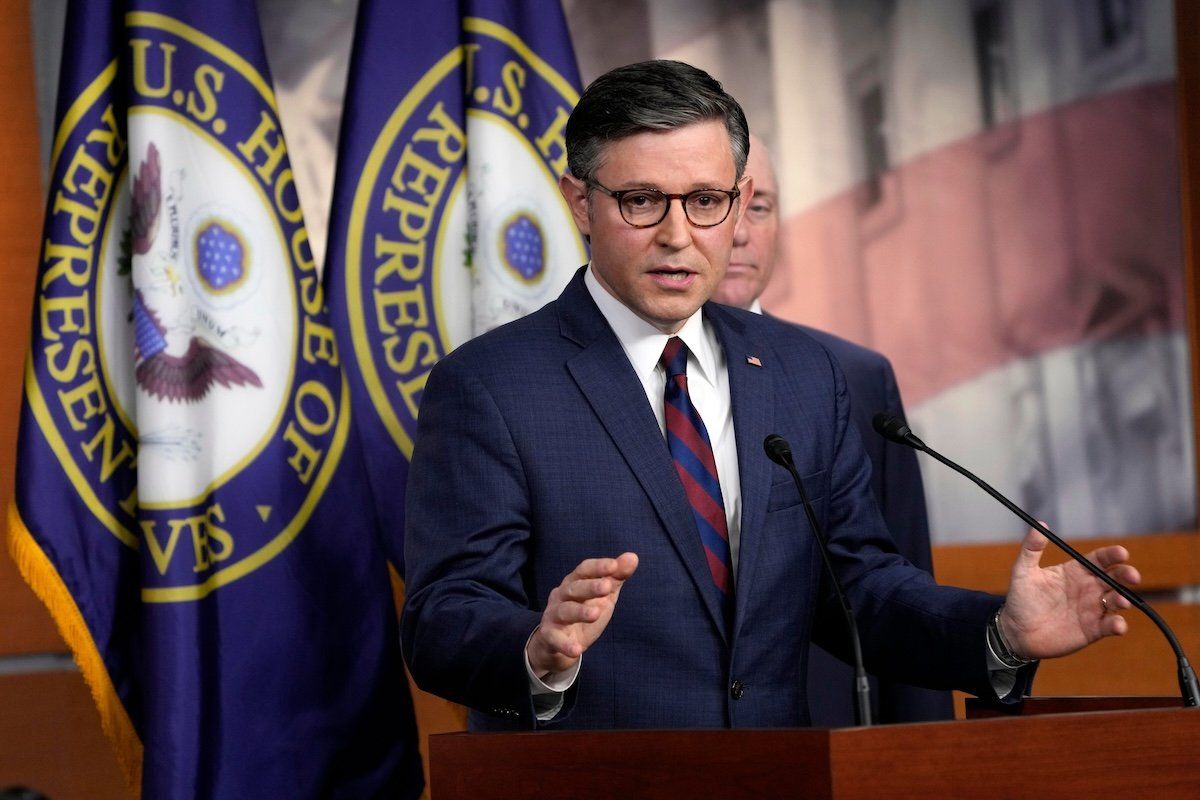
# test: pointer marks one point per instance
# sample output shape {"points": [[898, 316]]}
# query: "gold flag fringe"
{"points": [[431, 712], [47, 584]]}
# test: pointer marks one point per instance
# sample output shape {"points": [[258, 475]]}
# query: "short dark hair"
{"points": [[649, 96]]}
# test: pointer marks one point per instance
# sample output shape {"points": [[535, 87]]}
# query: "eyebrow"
{"points": [[697, 187]]}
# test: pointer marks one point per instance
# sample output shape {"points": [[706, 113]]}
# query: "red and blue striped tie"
{"points": [[692, 451]]}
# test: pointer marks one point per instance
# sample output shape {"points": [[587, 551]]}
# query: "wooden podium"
{"points": [[1138, 752]]}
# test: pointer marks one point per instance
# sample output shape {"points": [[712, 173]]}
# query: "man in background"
{"points": [[895, 479]]}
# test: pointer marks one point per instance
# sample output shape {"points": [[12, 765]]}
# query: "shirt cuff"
{"points": [[1002, 678], [547, 693], [1001, 674]]}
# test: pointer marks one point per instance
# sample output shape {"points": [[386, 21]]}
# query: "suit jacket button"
{"points": [[737, 689]]}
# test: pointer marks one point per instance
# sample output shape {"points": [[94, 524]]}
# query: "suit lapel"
{"points": [[751, 389], [604, 375]]}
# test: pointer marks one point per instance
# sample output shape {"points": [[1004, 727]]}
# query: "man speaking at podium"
{"points": [[595, 538]]}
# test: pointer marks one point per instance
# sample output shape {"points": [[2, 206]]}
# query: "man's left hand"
{"points": [[1057, 610]]}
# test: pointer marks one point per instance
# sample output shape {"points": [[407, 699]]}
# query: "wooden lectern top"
{"points": [[1137, 753]]}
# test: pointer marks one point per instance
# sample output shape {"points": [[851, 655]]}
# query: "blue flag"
{"points": [[191, 504], [447, 220]]}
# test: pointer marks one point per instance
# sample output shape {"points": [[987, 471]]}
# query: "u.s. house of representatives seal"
{"points": [[443, 244], [188, 382]]}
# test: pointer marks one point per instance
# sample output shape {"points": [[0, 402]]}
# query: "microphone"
{"points": [[779, 451], [894, 429]]}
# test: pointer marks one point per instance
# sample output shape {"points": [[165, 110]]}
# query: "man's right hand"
{"points": [[577, 612]]}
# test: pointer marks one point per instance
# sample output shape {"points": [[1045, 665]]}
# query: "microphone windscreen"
{"points": [[891, 427], [778, 449]]}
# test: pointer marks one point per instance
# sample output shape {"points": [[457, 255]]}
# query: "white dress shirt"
{"points": [[708, 386]]}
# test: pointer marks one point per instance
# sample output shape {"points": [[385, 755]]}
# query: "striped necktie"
{"points": [[692, 451]]}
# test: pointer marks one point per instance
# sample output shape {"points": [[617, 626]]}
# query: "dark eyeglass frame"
{"points": [[617, 194]]}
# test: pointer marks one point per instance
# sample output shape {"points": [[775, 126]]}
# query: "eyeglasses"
{"points": [[645, 208]]}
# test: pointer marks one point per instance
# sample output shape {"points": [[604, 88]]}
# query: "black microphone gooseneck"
{"points": [[779, 451], [894, 429]]}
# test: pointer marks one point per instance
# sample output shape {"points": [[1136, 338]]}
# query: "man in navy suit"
{"points": [[594, 537], [895, 476]]}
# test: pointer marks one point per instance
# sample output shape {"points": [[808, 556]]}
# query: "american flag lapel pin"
{"points": [[753, 361]]}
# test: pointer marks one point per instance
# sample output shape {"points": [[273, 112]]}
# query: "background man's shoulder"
{"points": [[791, 338], [850, 355]]}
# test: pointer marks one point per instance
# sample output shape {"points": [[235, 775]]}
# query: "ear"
{"points": [[746, 184], [574, 191]]}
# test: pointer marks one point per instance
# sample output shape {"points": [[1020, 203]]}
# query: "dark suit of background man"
{"points": [[895, 476], [548, 515]]}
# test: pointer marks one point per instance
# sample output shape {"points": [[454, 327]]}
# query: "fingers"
{"points": [[1107, 557], [627, 563], [1125, 573], [594, 568], [1113, 560], [620, 568], [583, 589], [585, 598], [570, 612], [1111, 622], [1113, 625], [558, 642], [597, 577], [1111, 601], [1032, 548], [582, 595]]}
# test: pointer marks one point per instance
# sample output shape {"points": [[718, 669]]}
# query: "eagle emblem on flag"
{"points": [[220, 260]]}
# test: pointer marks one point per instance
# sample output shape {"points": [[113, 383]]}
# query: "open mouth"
{"points": [[668, 276]]}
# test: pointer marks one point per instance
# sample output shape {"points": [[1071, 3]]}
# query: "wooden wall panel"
{"points": [[50, 736], [434, 715], [50, 739], [27, 626], [1166, 561], [1140, 662]]}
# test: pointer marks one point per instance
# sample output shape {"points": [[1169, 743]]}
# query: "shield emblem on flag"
{"points": [[220, 256]]}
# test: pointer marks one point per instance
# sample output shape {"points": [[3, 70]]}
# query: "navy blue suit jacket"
{"points": [[896, 484], [536, 449]]}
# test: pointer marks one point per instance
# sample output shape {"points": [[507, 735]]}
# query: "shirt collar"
{"points": [[643, 343], [756, 306]]}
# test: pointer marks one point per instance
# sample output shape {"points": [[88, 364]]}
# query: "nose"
{"points": [[674, 231]]}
